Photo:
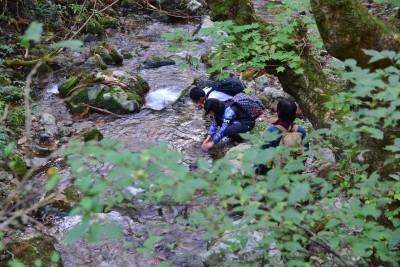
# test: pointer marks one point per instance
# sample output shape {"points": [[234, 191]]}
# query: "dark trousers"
{"points": [[233, 131]]}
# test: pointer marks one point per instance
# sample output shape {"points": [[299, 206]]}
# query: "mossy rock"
{"points": [[87, 38], [93, 134], [19, 165], [95, 62], [108, 54], [106, 57], [94, 27], [73, 193], [27, 251], [265, 100], [108, 22], [67, 86], [128, 4], [115, 91], [116, 56]]}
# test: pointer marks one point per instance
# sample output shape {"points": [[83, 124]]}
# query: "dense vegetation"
{"points": [[348, 214]]}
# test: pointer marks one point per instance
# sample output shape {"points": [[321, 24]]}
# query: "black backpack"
{"points": [[229, 86]]}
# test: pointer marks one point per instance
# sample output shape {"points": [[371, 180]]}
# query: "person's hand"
{"points": [[207, 145]]}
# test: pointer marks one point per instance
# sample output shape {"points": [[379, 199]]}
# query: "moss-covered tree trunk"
{"points": [[347, 27]]}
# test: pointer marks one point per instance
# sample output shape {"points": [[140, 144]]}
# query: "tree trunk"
{"points": [[346, 27]]}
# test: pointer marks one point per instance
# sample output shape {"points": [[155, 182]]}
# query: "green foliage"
{"points": [[395, 3], [298, 210], [240, 47], [46, 12]]}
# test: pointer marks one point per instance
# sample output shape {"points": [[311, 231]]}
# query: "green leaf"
{"points": [[334, 242], [280, 69], [76, 232], [298, 193], [38, 263], [9, 148], [164, 264], [194, 60], [151, 241], [15, 263], [332, 223], [359, 249], [95, 232], [71, 44], [33, 33], [113, 230], [55, 257], [183, 66], [53, 182], [375, 133]]}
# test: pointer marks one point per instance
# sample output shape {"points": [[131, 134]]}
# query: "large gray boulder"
{"points": [[114, 91]]}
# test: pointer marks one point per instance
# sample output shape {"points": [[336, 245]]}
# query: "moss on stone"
{"points": [[67, 86], [27, 251], [92, 78], [241, 12], [106, 57], [94, 27], [93, 134], [265, 100], [117, 57], [19, 166], [141, 86], [73, 193], [108, 22]]}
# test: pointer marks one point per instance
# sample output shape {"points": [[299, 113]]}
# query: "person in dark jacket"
{"points": [[231, 120], [286, 115]]}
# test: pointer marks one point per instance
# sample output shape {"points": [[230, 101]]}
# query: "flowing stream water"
{"points": [[165, 117]]}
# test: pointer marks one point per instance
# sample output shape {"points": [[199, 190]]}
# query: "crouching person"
{"points": [[231, 120], [288, 131]]}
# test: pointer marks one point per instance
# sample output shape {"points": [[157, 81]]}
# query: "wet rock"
{"points": [[93, 134], [87, 38], [128, 4], [235, 154], [64, 131], [275, 93], [327, 155], [156, 62], [221, 254], [45, 137], [95, 62], [4, 176], [64, 140], [47, 119], [261, 82]]}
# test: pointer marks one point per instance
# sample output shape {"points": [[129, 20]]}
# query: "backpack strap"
{"points": [[293, 128], [280, 127], [209, 92]]}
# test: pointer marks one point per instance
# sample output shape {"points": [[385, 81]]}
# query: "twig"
{"points": [[5, 8], [12, 255], [102, 110], [327, 245], [5, 113]]}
